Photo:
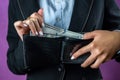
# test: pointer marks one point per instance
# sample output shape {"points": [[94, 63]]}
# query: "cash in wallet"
{"points": [[55, 46]]}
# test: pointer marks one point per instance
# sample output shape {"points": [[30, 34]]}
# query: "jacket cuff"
{"points": [[117, 56]]}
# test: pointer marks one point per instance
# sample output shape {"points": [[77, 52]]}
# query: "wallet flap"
{"points": [[46, 51], [69, 47], [42, 51]]}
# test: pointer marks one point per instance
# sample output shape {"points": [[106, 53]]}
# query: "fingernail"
{"points": [[82, 65], [36, 33], [41, 33], [43, 24], [25, 25], [72, 57]]}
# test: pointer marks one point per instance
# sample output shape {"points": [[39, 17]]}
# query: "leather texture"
{"points": [[70, 46], [44, 51]]}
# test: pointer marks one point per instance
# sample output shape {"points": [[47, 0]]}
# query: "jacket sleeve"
{"points": [[118, 57], [112, 18], [15, 58]]}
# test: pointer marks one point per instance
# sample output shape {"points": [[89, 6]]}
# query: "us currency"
{"points": [[53, 31]]}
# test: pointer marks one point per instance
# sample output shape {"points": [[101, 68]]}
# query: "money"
{"points": [[53, 31]]}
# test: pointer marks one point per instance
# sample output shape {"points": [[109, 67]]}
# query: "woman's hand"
{"points": [[32, 23], [104, 45]]}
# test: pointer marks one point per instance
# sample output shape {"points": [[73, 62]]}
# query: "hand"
{"points": [[104, 45], [32, 23]]}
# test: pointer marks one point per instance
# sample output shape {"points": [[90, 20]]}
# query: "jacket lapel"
{"points": [[27, 9], [80, 16]]}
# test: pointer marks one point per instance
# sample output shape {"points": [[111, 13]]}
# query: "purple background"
{"points": [[110, 70]]}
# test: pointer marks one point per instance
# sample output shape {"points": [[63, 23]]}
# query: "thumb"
{"points": [[89, 35], [40, 12]]}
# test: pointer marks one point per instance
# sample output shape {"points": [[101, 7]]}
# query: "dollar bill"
{"points": [[52, 31]]}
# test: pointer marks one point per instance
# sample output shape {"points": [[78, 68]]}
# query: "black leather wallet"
{"points": [[70, 46], [41, 51], [44, 51]]}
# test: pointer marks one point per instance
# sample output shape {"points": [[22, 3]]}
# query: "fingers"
{"points": [[24, 27], [21, 28], [99, 61], [37, 19], [40, 12], [38, 28], [89, 35], [18, 23], [37, 16], [35, 23], [32, 23], [75, 48], [100, 48], [89, 61], [81, 51], [94, 60], [32, 26]]}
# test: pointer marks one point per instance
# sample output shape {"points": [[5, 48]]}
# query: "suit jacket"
{"points": [[88, 15]]}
